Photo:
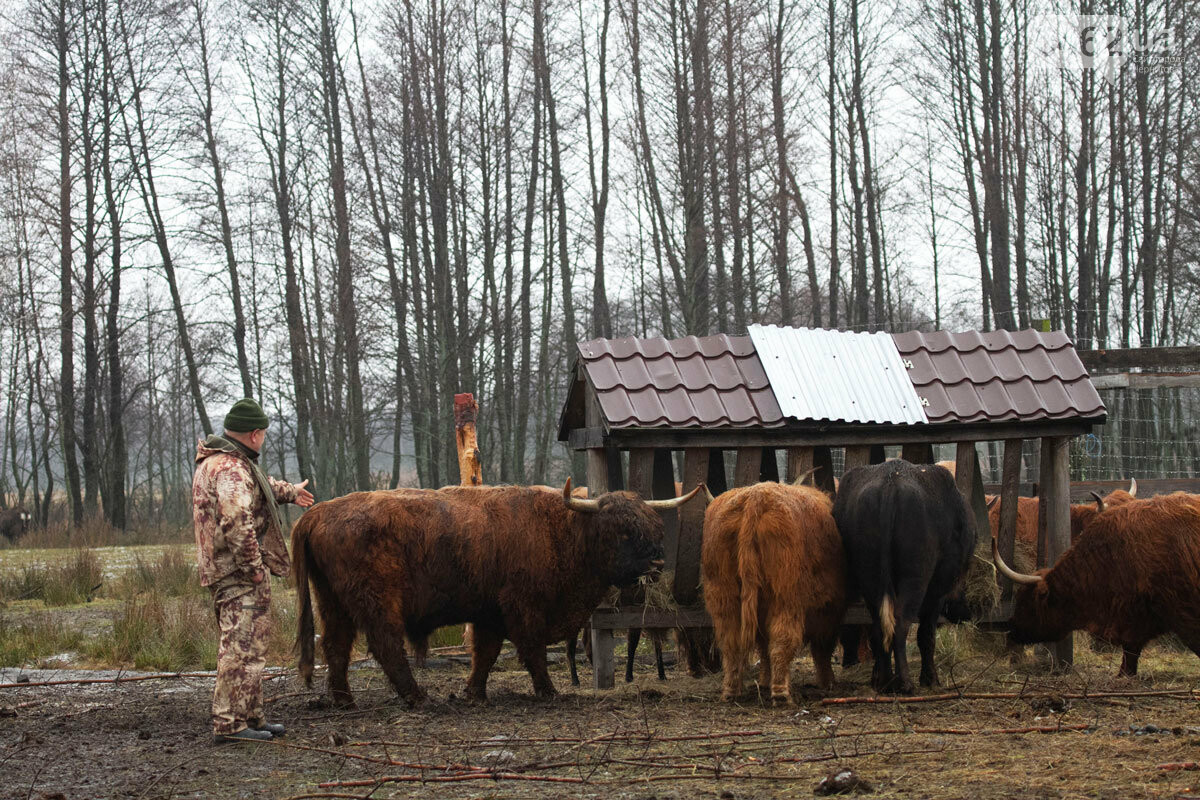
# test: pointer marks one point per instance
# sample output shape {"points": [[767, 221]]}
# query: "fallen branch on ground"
{"points": [[934, 698], [1180, 765], [469, 776]]}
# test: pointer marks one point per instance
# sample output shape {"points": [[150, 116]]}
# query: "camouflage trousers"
{"points": [[243, 614]]}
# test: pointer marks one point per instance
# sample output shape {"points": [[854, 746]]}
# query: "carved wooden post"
{"points": [[470, 472]]}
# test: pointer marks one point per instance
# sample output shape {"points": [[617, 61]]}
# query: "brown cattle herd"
{"points": [[780, 563]]}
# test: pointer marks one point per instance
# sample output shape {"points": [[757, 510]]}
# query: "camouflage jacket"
{"points": [[238, 530]]}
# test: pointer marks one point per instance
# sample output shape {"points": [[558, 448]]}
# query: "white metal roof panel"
{"points": [[839, 376]]}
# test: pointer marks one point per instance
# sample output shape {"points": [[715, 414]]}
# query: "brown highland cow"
{"points": [[775, 576], [1133, 575], [518, 563]]}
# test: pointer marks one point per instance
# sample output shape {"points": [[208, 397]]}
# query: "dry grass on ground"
{"points": [[670, 739]]}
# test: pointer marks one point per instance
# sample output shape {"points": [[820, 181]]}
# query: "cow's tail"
{"points": [[304, 632], [889, 519], [750, 572]]}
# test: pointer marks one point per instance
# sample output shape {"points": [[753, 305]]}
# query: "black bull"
{"points": [[908, 538]]}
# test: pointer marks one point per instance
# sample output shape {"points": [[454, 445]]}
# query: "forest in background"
{"points": [[353, 210]]}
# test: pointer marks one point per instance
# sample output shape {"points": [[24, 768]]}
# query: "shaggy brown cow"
{"points": [[774, 574], [1134, 575], [519, 563], [1027, 519], [14, 522]]}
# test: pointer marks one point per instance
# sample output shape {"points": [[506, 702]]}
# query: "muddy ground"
{"points": [[651, 739]]}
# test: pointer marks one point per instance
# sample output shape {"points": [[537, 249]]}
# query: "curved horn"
{"points": [[1099, 501], [1133, 486], [995, 499], [664, 505], [587, 506], [708, 496], [802, 479], [1009, 572]]}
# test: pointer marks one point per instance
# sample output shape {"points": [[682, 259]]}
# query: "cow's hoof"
{"points": [[475, 698], [780, 700], [905, 687], [727, 697], [930, 679], [341, 700]]}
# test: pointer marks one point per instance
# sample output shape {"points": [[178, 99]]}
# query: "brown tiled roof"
{"points": [[999, 376], [694, 382], [719, 381]]}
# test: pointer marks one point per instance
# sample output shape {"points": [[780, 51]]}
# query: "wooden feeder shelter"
{"points": [[635, 405]]}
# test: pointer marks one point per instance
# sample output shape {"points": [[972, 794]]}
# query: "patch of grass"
{"points": [[34, 639], [26, 583], [156, 632], [69, 582], [173, 574], [96, 532]]}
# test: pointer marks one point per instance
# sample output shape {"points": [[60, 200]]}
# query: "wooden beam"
{"points": [[1146, 487], [612, 619], [691, 528], [1155, 357], [1056, 502], [1147, 380], [1009, 483], [586, 438], [840, 436]]}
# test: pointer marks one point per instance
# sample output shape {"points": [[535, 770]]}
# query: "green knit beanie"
{"points": [[245, 416]]}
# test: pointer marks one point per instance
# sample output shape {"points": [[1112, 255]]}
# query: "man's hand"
{"points": [[304, 498]]}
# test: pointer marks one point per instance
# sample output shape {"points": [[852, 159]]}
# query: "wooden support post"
{"points": [[749, 466], [470, 472], [603, 662], [920, 453], [663, 488], [691, 528], [641, 472], [969, 478], [1009, 484], [858, 455], [1056, 504], [616, 472], [800, 461], [597, 479]]}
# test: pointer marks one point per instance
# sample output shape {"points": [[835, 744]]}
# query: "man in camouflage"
{"points": [[239, 539]]}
